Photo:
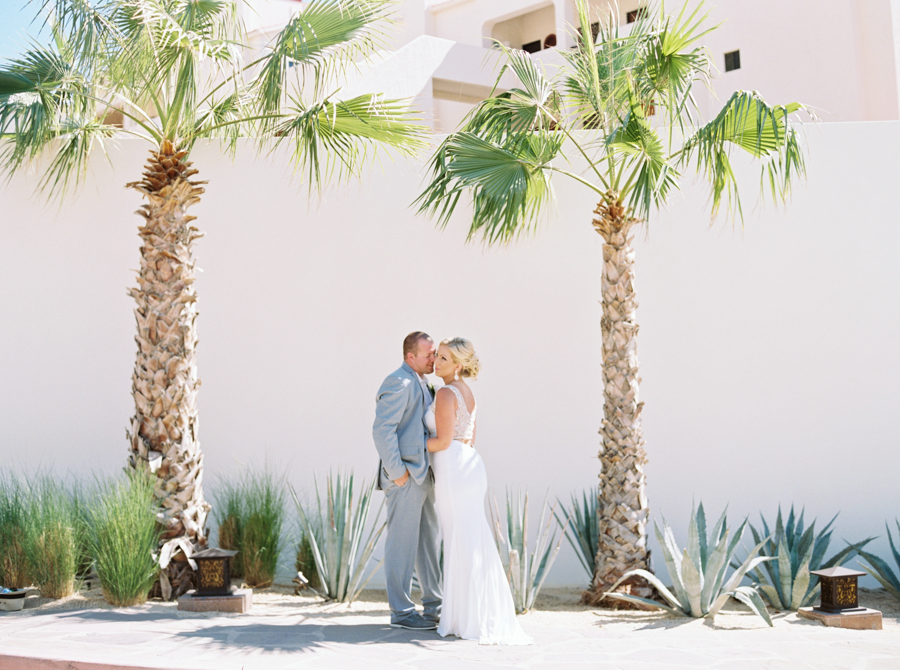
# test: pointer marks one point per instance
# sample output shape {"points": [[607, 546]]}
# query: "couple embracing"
{"points": [[435, 485]]}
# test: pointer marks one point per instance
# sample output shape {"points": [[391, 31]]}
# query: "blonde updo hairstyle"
{"points": [[463, 353]]}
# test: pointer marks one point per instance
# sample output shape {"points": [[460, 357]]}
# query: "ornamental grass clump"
{"points": [[698, 571], [336, 530], [13, 527], [229, 504], [260, 531], [583, 533], [124, 537], [786, 582], [306, 562], [879, 568], [52, 541], [84, 561], [526, 570]]}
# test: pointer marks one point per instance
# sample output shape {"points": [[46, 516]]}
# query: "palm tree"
{"points": [[173, 72], [630, 96]]}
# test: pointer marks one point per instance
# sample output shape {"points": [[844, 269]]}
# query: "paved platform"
{"points": [[291, 632]]}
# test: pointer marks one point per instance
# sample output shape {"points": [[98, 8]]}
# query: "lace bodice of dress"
{"points": [[464, 429]]}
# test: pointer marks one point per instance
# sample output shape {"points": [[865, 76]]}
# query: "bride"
{"points": [[477, 601]]}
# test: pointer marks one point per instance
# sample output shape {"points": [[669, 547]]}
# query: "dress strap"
{"points": [[459, 396], [464, 418]]}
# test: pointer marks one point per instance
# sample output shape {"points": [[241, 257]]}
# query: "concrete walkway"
{"points": [[284, 631]]}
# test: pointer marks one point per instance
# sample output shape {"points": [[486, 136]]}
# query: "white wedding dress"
{"points": [[477, 602]]}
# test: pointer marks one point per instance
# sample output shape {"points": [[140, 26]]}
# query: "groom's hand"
{"points": [[403, 479]]}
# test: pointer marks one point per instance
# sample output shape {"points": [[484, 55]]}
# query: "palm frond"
{"points": [[598, 71], [340, 135], [44, 98], [747, 122], [535, 106], [228, 117], [194, 29], [321, 40], [649, 173], [86, 24], [73, 146], [510, 184], [670, 67]]}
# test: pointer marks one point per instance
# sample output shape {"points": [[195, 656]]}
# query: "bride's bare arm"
{"points": [[445, 420]]}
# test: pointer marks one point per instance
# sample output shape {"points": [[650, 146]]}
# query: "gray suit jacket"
{"points": [[399, 431]]}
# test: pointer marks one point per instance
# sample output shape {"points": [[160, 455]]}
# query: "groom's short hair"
{"points": [[411, 342]]}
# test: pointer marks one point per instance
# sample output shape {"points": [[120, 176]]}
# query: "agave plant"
{"points": [[698, 571], [878, 568], [335, 530], [584, 531], [786, 582], [526, 571]]}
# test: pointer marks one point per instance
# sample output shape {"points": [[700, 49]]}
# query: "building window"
{"points": [[532, 47], [595, 30], [635, 14], [732, 61], [550, 41]]}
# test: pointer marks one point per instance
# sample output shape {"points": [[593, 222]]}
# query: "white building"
{"points": [[839, 58]]}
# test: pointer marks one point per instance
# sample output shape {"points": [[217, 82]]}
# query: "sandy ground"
{"points": [[562, 606], [283, 631]]}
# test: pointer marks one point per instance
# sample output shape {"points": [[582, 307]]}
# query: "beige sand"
{"points": [[557, 606]]}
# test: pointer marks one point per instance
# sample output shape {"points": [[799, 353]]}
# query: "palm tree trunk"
{"points": [[163, 436], [622, 508]]}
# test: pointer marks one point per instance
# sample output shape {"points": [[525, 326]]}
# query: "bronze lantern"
{"points": [[214, 572], [840, 594]]}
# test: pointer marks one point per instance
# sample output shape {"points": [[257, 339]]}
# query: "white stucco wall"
{"points": [[838, 57], [769, 355], [536, 25]]}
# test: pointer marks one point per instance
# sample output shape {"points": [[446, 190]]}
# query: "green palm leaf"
{"points": [[510, 184], [339, 136], [321, 40], [652, 175], [748, 123]]}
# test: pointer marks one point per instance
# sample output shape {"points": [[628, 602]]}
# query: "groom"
{"points": [[405, 476]]}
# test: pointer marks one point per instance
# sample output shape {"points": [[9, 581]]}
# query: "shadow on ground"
{"points": [[307, 636]]}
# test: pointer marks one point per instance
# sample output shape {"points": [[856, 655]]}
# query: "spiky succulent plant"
{"points": [[699, 588], [335, 528], [582, 528], [879, 568], [526, 570], [786, 582]]}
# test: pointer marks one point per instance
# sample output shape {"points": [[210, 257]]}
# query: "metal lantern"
{"points": [[214, 572], [839, 591]]}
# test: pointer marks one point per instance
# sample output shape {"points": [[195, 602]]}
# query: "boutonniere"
{"points": [[430, 388]]}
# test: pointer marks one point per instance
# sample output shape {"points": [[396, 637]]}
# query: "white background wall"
{"points": [[840, 58], [769, 354]]}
